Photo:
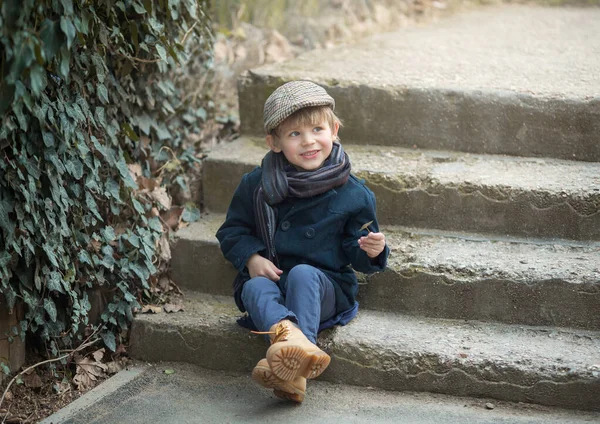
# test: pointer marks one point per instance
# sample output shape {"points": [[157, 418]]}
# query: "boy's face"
{"points": [[306, 146]]}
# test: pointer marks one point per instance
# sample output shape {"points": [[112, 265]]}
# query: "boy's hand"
{"points": [[373, 244], [262, 267]]}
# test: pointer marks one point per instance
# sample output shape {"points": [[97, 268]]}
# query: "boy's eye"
{"points": [[294, 134], [317, 129]]}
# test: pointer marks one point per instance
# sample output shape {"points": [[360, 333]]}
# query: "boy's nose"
{"points": [[307, 139]]}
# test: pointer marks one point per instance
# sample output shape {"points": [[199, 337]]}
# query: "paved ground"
{"points": [[195, 395]]}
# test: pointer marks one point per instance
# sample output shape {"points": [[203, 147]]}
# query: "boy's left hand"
{"points": [[373, 244]]}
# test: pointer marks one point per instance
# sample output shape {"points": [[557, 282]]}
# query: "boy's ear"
{"points": [[272, 143], [335, 129]]}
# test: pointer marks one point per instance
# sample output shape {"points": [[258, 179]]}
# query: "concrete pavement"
{"points": [[196, 395]]}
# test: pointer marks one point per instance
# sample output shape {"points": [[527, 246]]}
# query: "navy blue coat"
{"points": [[321, 231]]}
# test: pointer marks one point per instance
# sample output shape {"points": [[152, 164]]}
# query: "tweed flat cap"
{"points": [[289, 98]]}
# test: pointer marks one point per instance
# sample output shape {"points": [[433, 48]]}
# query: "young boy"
{"points": [[294, 227]]}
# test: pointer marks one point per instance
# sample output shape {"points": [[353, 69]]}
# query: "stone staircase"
{"points": [[481, 139]]}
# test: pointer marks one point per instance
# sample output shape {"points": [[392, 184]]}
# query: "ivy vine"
{"points": [[86, 90]]}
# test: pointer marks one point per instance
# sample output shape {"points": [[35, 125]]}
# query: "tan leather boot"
{"points": [[294, 390], [291, 354]]}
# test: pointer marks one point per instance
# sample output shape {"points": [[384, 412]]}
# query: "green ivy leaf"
{"points": [[53, 282], [68, 29], [51, 39], [190, 214], [154, 224], [50, 307], [125, 175], [65, 60], [92, 206], [161, 52], [109, 340], [113, 189], [102, 93], [108, 233], [129, 131], [84, 257], [67, 6], [37, 76]]}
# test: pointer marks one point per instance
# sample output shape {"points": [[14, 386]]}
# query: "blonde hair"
{"points": [[312, 115]]}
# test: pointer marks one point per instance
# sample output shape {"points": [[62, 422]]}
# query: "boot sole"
{"points": [[293, 361], [282, 389]]}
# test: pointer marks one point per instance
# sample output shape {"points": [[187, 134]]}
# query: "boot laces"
{"points": [[281, 332]]}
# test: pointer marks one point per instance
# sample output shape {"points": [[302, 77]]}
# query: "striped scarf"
{"points": [[278, 183]]}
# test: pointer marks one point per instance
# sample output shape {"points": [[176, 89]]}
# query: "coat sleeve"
{"points": [[358, 258], [237, 236]]}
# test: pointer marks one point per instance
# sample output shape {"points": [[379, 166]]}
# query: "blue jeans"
{"points": [[307, 298]]}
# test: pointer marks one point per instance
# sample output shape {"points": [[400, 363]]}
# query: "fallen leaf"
{"points": [[173, 217], [173, 307], [62, 387], [149, 184], [32, 380], [96, 245], [98, 354], [169, 372], [151, 308], [165, 284], [135, 169], [121, 349], [88, 371], [114, 367], [161, 196], [164, 248], [366, 226]]}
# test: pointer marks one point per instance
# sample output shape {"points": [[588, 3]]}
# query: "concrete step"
{"points": [[441, 275], [513, 79], [547, 366], [529, 197]]}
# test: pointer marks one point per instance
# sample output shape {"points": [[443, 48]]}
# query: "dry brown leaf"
{"points": [[172, 217], [161, 196], [151, 309], [135, 169], [121, 349], [98, 354], [147, 183], [114, 367], [32, 380], [173, 307], [164, 248], [96, 245], [88, 371], [165, 284]]}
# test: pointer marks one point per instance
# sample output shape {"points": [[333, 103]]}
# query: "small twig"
{"points": [[188, 33], [47, 361], [137, 59]]}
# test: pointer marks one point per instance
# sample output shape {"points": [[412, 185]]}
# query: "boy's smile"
{"points": [[306, 146]]}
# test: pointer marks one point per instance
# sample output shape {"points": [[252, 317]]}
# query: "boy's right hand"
{"points": [[262, 267]]}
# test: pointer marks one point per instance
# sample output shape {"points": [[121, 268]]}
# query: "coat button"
{"points": [[285, 225], [310, 233]]}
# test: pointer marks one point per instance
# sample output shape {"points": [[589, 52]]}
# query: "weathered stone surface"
{"points": [[502, 280], [525, 83], [197, 262], [526, 364], [451, 191]]}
